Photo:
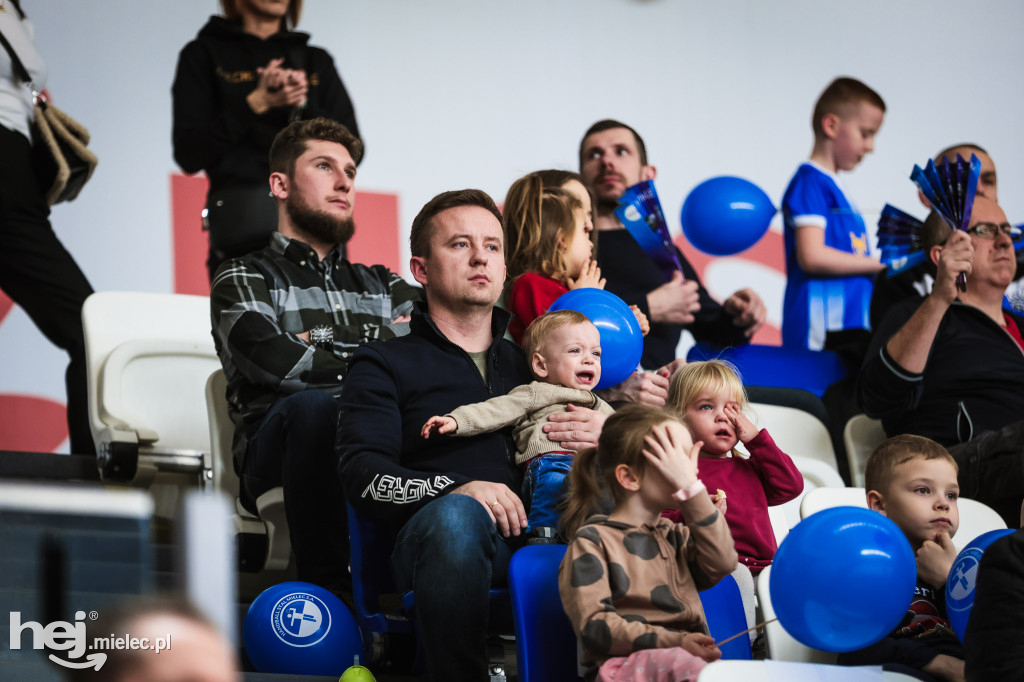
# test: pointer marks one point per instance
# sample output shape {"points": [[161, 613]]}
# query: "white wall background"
{"points": [[460, 93]]}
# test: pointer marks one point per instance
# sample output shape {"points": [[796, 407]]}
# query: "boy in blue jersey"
{"points": [[828, 262]]}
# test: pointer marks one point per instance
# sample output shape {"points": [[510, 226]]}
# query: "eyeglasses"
{"points": [[990, 230]]}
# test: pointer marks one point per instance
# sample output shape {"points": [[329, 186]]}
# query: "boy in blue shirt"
{"points": [[829, 269]]}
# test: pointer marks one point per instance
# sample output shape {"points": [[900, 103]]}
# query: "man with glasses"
{"points": [[917, 281], [950, 366]]}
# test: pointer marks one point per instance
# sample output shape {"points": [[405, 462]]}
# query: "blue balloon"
{"points": [[622, 342], [842, 579], [300, 629], [963, 579], [725, 215]]}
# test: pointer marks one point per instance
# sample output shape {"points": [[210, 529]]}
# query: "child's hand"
{"points": [[702, 646], [670, 451], [641, 319], [935, 558], [671, 368], [745, 429], [719, 500], [590, 277], [439, 424]]}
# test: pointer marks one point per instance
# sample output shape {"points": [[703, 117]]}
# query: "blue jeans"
{"points": [[544, 489], [451, 554], [294, 447]]}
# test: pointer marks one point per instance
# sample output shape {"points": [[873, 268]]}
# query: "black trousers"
{"points": [[38, 273], [294, 448]]}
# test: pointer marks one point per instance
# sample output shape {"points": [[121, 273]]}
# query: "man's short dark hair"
{"points": [[839, 98], [609, 124], [290, 143], [966, 145], [422, 228]]}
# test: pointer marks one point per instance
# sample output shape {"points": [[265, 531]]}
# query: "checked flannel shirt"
{"points": [[262, 301]]}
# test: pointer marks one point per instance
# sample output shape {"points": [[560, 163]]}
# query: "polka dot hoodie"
{"points": [[627, 588]]}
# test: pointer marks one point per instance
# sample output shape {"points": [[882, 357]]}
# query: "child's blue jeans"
{"points": [[543, 489]]}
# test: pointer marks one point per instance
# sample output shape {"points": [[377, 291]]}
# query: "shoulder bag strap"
{"points": [[19, 68]]}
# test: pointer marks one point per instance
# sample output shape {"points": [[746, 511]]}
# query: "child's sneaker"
{"points": [[541, 535]]}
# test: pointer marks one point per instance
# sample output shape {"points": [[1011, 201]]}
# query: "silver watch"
{"points": [[322, 336]]}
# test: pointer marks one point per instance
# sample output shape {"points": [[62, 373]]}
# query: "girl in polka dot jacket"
{"points": [[629, 580]]}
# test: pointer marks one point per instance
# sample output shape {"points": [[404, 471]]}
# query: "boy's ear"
{"points": [[876, 501], [829, 125], [626, 477], [539, 365]]}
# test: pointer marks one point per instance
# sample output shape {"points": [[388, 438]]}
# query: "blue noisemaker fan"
{"points": [[900, 240], [950, 187], [639, 211]]}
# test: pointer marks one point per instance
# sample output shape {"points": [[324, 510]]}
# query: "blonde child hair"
{"points": [[538, 221], [540, 329], [695, 378], [592, 476]]}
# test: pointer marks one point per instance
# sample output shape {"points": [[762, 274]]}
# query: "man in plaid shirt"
{"points": [[286, 321]]}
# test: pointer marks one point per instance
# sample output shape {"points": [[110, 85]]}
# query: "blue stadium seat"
{"points": [[723, 607], [545, 642], [385, 617], [778, 366]]}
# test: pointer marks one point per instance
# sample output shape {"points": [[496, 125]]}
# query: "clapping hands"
{"points": [[278, 87]]}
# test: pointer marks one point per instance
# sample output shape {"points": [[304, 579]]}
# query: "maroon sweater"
{"points": [[766, 479]]}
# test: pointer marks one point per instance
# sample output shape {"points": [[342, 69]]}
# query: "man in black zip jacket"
{"points": [[454, 497], [950, 366]]}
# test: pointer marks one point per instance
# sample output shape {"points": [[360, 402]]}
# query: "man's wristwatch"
{"points": [[322, 336]]}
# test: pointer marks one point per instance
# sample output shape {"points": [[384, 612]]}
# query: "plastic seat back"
{"points": [[723, 607], [263, 540], [371, 545], [816, 474], [380, 610], [781, 645], [796, 432], [222, 432], [545, 641], [780, 366], [861, 436], [148, 357]]}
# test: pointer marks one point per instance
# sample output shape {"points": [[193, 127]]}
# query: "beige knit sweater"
{"points": [[526, 408]]}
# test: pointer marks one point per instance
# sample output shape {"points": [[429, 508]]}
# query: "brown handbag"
{"points": [[62, 162]]}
